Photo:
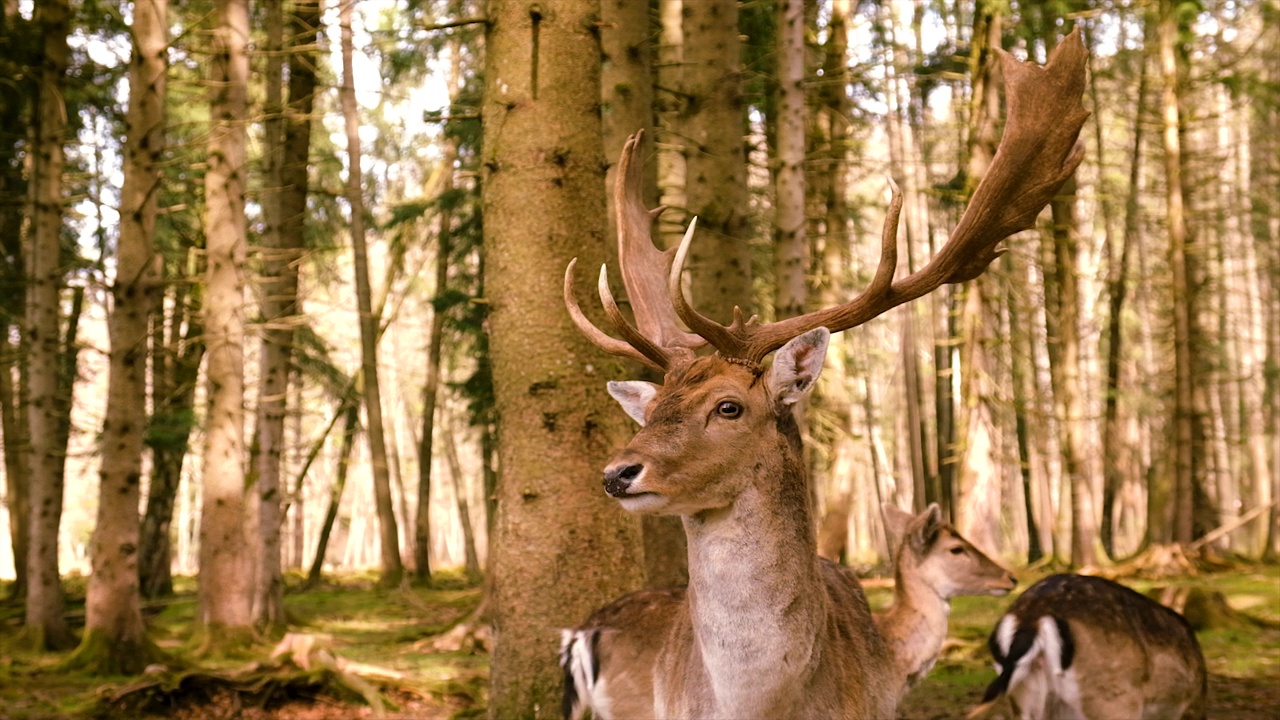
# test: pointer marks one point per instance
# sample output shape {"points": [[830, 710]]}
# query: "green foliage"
{"points": [[169, 429]]}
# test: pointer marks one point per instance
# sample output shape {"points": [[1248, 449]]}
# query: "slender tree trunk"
{"points": [[350, 426], [45, 624], [1019, 380], [460, 497], [543, 203], [670, 101], [716, 187], [1117, 291], [277, 302], [115, 639], [13, 415], [1186, 463], [225, 582], [392, 569], [302, 26], [791, 247]]}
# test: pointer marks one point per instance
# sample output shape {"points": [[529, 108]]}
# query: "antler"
{"points": [[656, 339], [1037, 153]]}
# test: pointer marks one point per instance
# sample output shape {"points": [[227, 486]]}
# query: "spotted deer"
{"points": [[765, 629], [1076, 647], [933, 563]]}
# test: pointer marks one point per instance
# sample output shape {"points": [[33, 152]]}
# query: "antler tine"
{"points": [[729, 341], [609, 344], [1039, 150], [643, 266], [633, 337]]}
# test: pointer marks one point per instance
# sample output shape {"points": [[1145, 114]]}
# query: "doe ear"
{"points": [[797, 365], [924, 528], [633, 396]]}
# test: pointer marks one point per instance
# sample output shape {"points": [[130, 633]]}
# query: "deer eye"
{"points": [[957, 550], [729, 409]]}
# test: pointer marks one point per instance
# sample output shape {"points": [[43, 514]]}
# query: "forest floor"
{"points": [[389, 630]]}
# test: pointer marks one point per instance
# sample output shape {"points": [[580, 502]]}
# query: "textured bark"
{"points": [[389, 536], [115, 639], [13, 421], [225, 581], [1186, 462], [277, 294], [45, 624], [715, 158], [791, 247], [561, 546]]}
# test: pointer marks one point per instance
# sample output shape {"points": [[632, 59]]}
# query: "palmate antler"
{"points": [[1038, 152]]}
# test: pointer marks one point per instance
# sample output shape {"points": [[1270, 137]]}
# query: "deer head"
{"points": [[930, 551], [703, 424]]}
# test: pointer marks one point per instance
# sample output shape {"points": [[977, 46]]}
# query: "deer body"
{"points": [[765, 628], [1085, 648]]}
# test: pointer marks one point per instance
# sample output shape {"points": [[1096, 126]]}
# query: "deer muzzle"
{"points": [[619, 477]]}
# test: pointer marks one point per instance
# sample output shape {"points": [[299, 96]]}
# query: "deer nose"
{"points": [[619, 476]]}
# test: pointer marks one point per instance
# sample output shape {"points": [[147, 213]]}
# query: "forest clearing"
{"points": [[393, 629]]}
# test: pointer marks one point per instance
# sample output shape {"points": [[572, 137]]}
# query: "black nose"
{"points": [[617, 478]]}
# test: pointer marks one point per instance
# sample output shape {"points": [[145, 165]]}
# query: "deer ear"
{"points": [[633, 396], [926, 526], [797, 365]]}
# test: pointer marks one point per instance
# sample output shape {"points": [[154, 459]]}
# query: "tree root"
{"points": [[302, 667]]}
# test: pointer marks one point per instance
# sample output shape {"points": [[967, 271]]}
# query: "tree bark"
{"points": [[561, 547], [45, 624], [389, 536], [115, 640], [712, 120], [225, 581], [791, 247]]}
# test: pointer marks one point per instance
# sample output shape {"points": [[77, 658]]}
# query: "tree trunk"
{"points": [[392, 568], [716, 185], [562, 547], [225, 581], [791, 247], [389, 536], [277, 295], [1117, 290], [1187, 435], [115, 640], [350, 412], [302, 27], [13, 415], [460, 497], [45, 624]]}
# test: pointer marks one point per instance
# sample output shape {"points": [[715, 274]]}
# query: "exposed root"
{"points": [[301, 667]]}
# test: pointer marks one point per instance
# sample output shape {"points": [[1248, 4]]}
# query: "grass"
{"points": [[381, 627]]}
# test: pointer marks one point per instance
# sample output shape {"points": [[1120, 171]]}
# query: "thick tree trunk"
{"points": [[561, 547], [716, 176], [115, 639], [389, 536], [225, 581], [45, 624]]}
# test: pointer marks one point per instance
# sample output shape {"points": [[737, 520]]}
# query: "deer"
{"points": [[1079, 647], [933, 563], [764, 628]]}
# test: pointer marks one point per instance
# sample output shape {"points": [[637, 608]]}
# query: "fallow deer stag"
{"points": [[1075, 647], [611, 656], [765, 630]]}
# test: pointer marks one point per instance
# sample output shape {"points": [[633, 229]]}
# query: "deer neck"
{"points": [[915, 626], [756, 598]]}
